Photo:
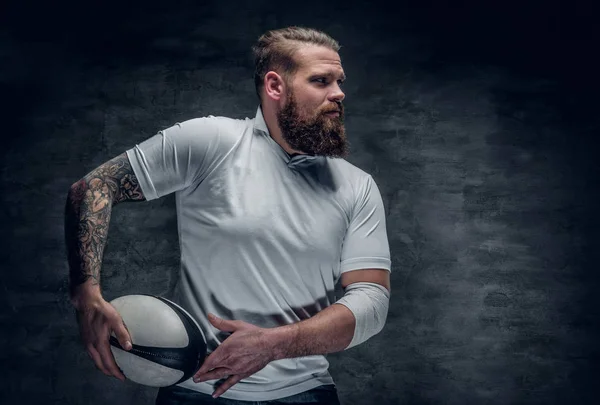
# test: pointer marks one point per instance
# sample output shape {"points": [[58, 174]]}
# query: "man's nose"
{"points": [[337, 94]]}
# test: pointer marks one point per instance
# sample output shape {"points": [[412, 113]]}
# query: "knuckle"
{"points": [[114, 317]]}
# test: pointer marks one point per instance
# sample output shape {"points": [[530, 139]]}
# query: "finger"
{"points": [[93, 353], [216, 359], [230, 382], [211, 361], [222, 324], [215, 374], [203, 370], [108, 359], [122, 334]]}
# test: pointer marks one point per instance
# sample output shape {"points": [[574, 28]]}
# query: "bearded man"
{"points": [[270, 217]]}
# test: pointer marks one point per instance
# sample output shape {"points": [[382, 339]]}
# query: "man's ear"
{"points": [[274, 86]]}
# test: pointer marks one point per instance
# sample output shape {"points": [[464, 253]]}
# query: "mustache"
{"points": [[340, 110]]}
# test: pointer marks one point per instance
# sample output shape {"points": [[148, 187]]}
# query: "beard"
{"points": [[319, 135]]}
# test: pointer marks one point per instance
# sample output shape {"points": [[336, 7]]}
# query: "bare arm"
{"points": [[328, 331], [87, 215]]}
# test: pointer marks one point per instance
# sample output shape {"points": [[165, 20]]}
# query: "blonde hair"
{"points": [[275, 49]]}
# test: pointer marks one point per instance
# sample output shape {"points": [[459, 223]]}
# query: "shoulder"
{"points": [[212, 129], [348, 173], [212, 122], [355, 184]]}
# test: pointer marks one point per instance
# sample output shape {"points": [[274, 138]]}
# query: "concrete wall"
{"points": [[476, 123]]}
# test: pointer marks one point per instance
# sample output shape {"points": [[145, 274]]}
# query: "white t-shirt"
{"points": [[264, 237]]}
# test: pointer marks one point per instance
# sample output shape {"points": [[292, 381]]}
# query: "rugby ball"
{"points": [[168, 346]]}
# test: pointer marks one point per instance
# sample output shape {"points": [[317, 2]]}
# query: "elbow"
{"points": [[381, 324], [76, 191], [369, 302], [379, 319], [79, 184]]}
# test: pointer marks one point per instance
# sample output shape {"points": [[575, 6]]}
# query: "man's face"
{"points": [[305, 122]]}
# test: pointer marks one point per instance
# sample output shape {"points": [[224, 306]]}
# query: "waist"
{"points": [[278, 380]]}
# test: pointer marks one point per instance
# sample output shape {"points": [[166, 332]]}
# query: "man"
{"points": [[270, 218]]}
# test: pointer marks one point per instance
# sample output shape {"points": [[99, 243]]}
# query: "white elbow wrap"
{"points": [[369, 302]]}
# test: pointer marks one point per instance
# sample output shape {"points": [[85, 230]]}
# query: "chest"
{"points": [[292, 210]]}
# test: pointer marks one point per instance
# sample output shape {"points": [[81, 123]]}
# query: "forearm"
{"points": [[87, 216], [357, 316], [330, 330]]}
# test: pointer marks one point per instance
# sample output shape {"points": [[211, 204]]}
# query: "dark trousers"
{"points": [[174, 395]]}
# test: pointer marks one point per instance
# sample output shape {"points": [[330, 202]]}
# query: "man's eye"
{"points": [[323, 80]]}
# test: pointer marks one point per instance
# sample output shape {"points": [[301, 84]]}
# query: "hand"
{"points": [[243, 353], [97, 319]]}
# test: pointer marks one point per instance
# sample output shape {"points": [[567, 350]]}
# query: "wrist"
{"points": [[85, 294], [281, 340]]}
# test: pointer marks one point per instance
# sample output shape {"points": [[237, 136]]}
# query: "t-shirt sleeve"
{"points": [[178, 157], [366, 243]]}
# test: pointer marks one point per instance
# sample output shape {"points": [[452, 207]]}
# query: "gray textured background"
{"points": [[478, 123]]}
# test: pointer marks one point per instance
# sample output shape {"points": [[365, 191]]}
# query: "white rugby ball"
{"points": [[168, 346]]}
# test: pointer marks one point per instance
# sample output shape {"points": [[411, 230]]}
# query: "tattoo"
{"points": [[87, 215]]}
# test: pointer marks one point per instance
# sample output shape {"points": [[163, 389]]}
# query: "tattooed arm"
{"points": [[87, 215]]}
